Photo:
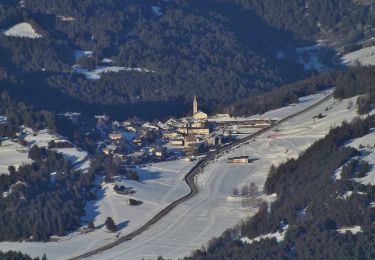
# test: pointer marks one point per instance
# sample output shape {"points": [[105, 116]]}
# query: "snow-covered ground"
{"points": [[303, 103], [22, 30], [41, 138], [12, 153], [354, 230], [279, 235], [210, 212], [96, 73], [366, 145], [162, 183], [365, 56], [3, 119]]}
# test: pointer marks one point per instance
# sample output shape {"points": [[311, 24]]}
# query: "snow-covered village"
{"points": [[189, 129], [150, 164]]}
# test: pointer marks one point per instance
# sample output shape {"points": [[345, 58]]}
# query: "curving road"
{"points": [[189, 178]]}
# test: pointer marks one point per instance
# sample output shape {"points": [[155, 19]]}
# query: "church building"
{"points": [[196, 113]]}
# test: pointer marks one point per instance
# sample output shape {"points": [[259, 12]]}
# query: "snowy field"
{"points": [[12, 153], [76, 156], [22, 30], [210, 212], [303, 103], [277, 114], [365, 56], [162, 183]]}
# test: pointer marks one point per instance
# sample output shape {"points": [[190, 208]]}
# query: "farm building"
{"points": [[240, 159]]}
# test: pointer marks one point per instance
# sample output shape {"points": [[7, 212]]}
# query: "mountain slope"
{"points": [[191, 47]]}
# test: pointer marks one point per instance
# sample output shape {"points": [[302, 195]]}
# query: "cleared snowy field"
{"points": [[208, 214], [193, 223], [22, 30], [12, 153], [161, 184], [41, 138], [303, 103], [365, 56]]}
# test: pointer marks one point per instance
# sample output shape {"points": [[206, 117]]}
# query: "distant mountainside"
{"points": [[157, 53], [320, 19], [149, 58]]}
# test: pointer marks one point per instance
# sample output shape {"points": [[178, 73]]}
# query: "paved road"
{"points": [[189, 178]]}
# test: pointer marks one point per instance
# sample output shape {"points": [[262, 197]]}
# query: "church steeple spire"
{"points": [[195, 105]]}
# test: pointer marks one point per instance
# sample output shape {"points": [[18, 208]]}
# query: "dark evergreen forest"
{"points": [[37, 205], [349, 83], [221, 52]]}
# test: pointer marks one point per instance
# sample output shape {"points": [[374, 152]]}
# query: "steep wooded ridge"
{"points": [[327, 19]]}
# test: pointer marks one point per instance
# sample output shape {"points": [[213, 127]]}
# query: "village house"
{"points": [[115, 136], [176, 142], [190, 140], [194, 131], [239, 159], [170, 135], [137, 141]]}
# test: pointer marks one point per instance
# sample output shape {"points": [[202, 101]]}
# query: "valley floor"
{"points": [[196, 221], [208, 214]]}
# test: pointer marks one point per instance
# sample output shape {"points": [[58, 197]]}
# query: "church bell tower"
{"points": [[195, 105]]}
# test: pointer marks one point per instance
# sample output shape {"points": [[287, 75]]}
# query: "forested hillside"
{"points": [[191, 47], [43, 198], [18, 113], [349, 83], [328, 19]]}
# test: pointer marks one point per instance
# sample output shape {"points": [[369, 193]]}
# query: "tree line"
{"points": [[43, 198], [309, 20], [348, 83], [195, 48]]}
